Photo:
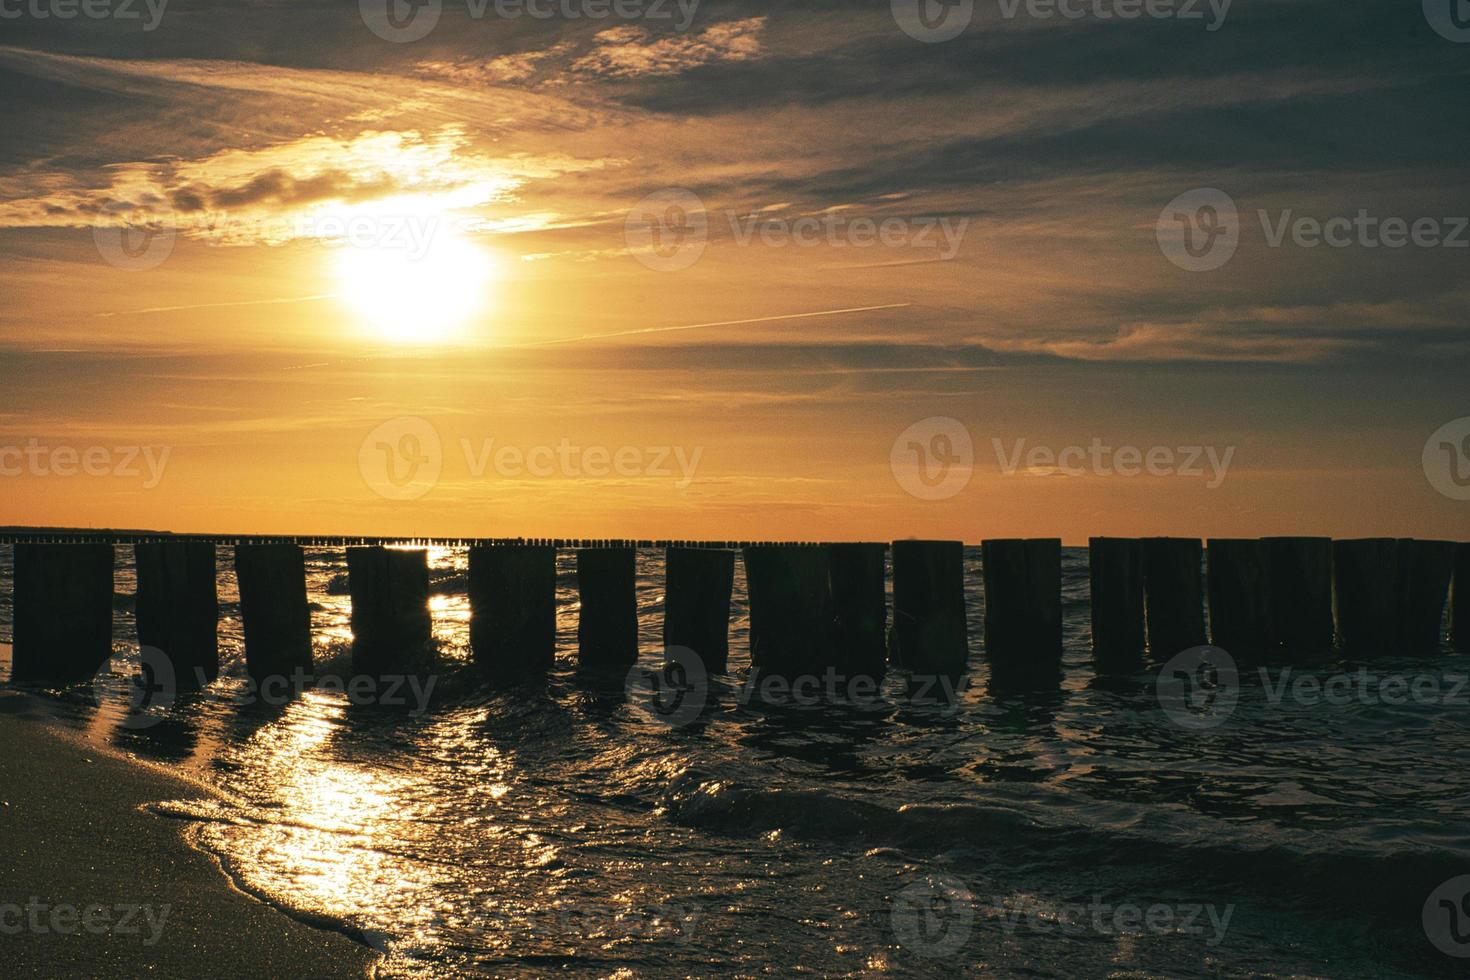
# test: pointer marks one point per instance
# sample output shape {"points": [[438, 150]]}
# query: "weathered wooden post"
{"points": [[860, 601], [392, 631], [697, 587], [1460, 609], [607, 627], [930, 629], [62, 614], [1301, 593], [513, 609], [1115, 571], [792, 621], [1365, 590], [177, 608], [1173, 595], [273, 611], [1239, 582], [1425, 571], [1023, 611]]}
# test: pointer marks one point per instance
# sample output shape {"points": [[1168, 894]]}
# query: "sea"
{"points": [[1305, 818]]}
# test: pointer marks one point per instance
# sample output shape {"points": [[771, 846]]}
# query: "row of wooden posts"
{"points": [[813, 608]]}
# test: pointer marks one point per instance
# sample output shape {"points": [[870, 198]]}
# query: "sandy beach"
{"points": [[92, 885]]}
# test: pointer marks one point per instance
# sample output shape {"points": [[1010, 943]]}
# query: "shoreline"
{"points": [[94, 880]]}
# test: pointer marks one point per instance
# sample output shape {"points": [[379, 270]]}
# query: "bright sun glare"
{"points": [[417, 294]]}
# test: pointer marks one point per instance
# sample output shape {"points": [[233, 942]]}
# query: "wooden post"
{"points": [[791, 611], [930, 629], [861, 604], [1240, 595], [62, 613], [1301, 594], [1023, 611], [1460, 610], [1365, 590], [273, 611], [607, 628], [1173, 595], [392, 631], [1425, 571], [697, 587], [513, 609], [178, 608], [1115, 570]]}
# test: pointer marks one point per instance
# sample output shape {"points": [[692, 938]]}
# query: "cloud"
{"points": [[629, 52]]}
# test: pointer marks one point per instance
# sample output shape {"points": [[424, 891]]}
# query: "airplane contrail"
{"points": [[215, 306], [718, 323]]}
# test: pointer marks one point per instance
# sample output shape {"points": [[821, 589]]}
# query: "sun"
{"points": [[416, 292]]}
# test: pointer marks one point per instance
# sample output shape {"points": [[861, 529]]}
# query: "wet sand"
{"points": [[85, 874]]}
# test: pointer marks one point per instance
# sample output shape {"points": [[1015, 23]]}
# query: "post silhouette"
{"points": [[513, 609], [62, 614], [273, 611], [1239, 582], [860, 600], [1173, 595], [1460, 611], [1365, 590], [177, 608], [1425, 571], [1301, 594], [392, 631], [930, 630], [1115, 571], [697, 586], [607, 628], [792, 621], [1023, 611]]}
